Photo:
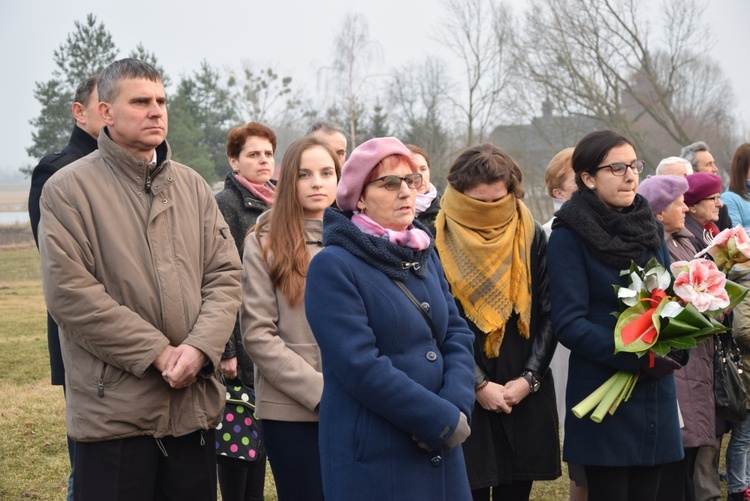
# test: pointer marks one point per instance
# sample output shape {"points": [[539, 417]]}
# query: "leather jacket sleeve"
{"points": [[545, 341]]}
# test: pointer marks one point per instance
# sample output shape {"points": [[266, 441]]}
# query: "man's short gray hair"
{"points": [[663, 166], [327, 127], [128, 68], [689, 151]]}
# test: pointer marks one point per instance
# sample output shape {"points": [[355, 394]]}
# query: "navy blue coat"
{"points": [[643, 431], [386, 381]]}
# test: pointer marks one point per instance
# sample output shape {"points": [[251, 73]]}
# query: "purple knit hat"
{"points": [[702, 185], [360, 163], [660, 191]]}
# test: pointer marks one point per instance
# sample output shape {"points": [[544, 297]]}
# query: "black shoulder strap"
{"points": [[416, 303]]}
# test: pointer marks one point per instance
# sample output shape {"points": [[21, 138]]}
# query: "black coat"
{"points": [[523, 445], [240, 210], [81, 143]]}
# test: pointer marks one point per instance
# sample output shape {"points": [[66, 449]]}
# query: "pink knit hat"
{"points": [[702, 185], [360, 163], [660, 191]]}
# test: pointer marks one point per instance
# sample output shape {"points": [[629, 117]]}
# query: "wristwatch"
{"points": [[530, 378]]}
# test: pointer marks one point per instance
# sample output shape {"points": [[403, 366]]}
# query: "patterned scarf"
{"points": [[485, 249], [263, 192], [395, 261], [414, 238]]}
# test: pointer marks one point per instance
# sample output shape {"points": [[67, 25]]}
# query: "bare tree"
{"points": [[480, 33], [354, 52], [600, 58], [264, 96], [420, 112]]}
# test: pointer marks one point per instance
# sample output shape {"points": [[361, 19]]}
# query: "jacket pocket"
{"points": [[310, 353], [361, 432], [104, 376]]}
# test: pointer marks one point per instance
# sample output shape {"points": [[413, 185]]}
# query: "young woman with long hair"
{"points": [[275, 332]]}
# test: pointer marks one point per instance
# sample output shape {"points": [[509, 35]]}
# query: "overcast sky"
{"points": [[295, 37]]}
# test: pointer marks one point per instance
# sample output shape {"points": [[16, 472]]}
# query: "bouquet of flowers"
{"points": [[661, 311], [730, 250]]}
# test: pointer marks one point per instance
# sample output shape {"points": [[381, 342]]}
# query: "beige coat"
{"points": [[127, 272], [288, 377]]}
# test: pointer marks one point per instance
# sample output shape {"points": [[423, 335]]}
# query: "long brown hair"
{"points": [[738, 171], [285, 239]]}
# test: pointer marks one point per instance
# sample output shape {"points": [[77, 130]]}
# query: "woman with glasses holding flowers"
{"points": [[597, 233], [397, 360], [493, 253]]}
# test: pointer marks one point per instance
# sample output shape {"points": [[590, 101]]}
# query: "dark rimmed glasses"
{"points": [[393, 182], [716, 199], [619, 168]]}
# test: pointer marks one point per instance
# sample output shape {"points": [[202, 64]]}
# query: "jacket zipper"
{"points": [[101, 382]]}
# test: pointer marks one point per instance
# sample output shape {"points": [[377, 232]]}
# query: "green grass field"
{"points": [[33, 452]]}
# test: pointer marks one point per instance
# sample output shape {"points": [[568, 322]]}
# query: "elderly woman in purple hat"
{"points": [[703, 199], [695, 381], [666, 196], [398, 368]]}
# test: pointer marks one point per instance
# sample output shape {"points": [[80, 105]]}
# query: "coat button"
{"points": [[425, 306], [436, 460], [164, 201], [431, 356]]}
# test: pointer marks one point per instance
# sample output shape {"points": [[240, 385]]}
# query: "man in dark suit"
{"points": [[82, 142]]}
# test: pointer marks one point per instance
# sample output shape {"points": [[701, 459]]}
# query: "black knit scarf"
{"points": [[393, 260], [614, 237]]}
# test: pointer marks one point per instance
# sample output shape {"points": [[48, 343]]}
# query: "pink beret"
{"points": [[702, 185], [360, 163], [660, 191]]}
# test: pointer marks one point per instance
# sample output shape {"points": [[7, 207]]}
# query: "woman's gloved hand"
{"points": [[460, 435], [662, 366]]}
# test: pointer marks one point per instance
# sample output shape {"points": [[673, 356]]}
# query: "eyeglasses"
{"points": [[716, 199], [393, 183], [618, 168]]}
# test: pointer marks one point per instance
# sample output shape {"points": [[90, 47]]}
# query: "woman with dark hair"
{"points": [[397, 361], [275, 332], [596, 234], [428, 198], [494, 255], [737, 196], [247, 193]]}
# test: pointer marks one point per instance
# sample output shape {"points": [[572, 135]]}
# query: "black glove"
{"points": [[679, 356], [663, 366]]}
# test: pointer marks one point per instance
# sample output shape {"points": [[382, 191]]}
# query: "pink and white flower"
{"points": [[701, 283]]}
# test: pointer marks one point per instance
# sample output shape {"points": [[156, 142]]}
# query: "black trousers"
{"points": [[623, 483], [241, 480], [145, 468], [294, 454]]}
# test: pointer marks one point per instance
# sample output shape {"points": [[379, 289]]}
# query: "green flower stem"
{"points": [[589, 403], [610, 399]]}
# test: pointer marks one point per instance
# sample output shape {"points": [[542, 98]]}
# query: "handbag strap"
{"points": [[418, 305]]}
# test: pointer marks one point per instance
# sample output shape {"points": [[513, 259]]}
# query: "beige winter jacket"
{"points": [[127, 271], [288, 377]]}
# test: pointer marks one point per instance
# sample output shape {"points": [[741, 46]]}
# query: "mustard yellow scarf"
{"points": [[485, 249]]}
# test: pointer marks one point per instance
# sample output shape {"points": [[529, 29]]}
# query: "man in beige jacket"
{"points": [[142, 276]]}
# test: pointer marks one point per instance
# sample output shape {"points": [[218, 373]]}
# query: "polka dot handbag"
{"points": [[238, 434]]}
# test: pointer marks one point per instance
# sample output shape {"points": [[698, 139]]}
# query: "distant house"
{"points": [[533, 145]]}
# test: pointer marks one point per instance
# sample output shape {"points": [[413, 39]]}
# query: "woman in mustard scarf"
{"points": [[493, 253]]}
